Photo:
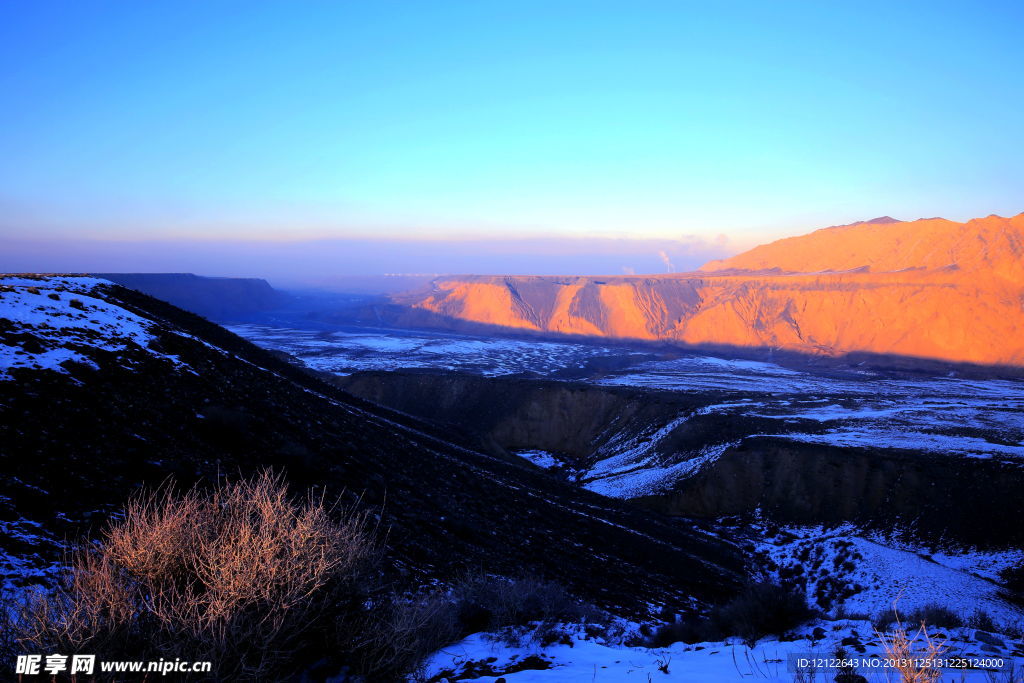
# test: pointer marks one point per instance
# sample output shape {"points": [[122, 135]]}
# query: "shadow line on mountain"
{"points": [[411, 318]]}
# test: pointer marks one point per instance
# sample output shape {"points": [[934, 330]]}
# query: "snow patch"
{"points": [[50, 321], [541, 459], [631, 465]]}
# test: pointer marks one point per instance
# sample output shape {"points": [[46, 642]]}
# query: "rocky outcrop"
{"points": [[928, 289]]}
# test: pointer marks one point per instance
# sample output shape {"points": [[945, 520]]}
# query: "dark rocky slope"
{"points": [[75, 444]]}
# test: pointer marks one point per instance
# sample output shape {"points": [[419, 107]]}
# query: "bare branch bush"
{"points": [[243, 575], [912, 654]]}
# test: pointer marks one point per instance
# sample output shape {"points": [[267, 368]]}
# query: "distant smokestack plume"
{"points": [[669, 268]]}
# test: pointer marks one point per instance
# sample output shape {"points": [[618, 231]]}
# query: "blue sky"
{"points": [[454, 120]]}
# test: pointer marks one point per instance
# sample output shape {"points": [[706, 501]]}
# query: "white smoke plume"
{"points": [[669, 268]]}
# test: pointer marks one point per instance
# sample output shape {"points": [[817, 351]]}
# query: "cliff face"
{"points": [[513, 414], [965, 500], [600, 436], [218, 298], [927, 289]]}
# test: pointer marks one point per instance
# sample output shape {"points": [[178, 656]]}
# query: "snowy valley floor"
{"points": [[582, 658]]}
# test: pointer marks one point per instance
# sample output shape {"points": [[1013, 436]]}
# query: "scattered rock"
{"points": [[988, 639]]}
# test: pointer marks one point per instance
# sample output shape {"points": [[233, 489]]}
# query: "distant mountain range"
{"points": [[927, 289], [990, 247], [212, 297]]}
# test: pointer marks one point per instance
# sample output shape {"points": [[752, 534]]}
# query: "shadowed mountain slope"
{"points": [[104, 389], [217, 298]]}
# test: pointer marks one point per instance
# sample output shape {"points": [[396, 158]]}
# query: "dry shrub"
{"points": [[96, 611], [149, 539], [910, 652], [982, 620], [934, 614], [760, 609], [400, 633], [243, 576], [487, 603]]}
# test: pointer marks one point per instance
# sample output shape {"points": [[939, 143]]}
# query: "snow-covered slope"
{"points": [[866, 573], [46, 323]]}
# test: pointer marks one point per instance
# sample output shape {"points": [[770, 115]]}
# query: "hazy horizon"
{"points": [[326, 263], [301, 143]]}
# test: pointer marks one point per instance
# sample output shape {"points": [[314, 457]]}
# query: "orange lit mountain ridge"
{"points": [[930, 288]]}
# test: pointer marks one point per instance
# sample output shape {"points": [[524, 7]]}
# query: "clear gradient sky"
{"points": [[182, 121]]}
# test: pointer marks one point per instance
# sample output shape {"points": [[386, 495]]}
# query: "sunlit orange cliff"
{"points": [[929, 288]]}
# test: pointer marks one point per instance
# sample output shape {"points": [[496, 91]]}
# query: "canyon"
{"points": [[929, 290]]}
